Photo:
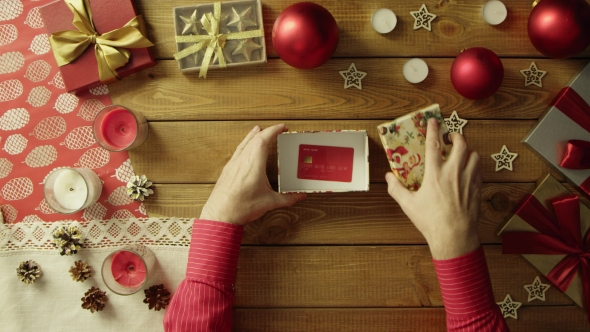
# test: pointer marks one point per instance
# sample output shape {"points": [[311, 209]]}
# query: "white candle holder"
{"points": [[415, 70], [142, 256], [69, 190], [494, 12], [383, 20]]}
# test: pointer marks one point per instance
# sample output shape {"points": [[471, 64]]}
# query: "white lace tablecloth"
{"points": [[53, 303]]}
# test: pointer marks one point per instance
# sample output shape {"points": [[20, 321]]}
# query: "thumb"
{"points": [[396, 189], [283, 200]]}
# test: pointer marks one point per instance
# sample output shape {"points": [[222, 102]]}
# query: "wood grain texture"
{"points": [[538, 319], [339, 219], [459, 25], [195, 152], [377, 276], [277, 91]]}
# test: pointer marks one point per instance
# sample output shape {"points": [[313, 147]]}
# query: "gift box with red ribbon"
{"points": [[562, 135], [96, 42], [550, 230]]}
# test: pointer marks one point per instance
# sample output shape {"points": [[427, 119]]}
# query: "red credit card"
{"points": [[325, 163]]}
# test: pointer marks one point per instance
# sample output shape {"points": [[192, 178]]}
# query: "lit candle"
{"points": [[117, 128], [383, 20], [415, 70], [69, 190], [494, 12], [128, 269]]}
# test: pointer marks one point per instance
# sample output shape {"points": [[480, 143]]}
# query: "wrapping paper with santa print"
{"points": [[404, 141], [42, 127]]}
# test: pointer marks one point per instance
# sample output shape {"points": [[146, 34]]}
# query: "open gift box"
{"points": [[323, 161]]}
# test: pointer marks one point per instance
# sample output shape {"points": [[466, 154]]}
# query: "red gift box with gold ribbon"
{"points": [[550, 229], [562, 135]]}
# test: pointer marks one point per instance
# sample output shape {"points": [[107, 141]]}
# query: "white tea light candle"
{"points": [[69, 190], [415, 70], [383, 20], [494, 12]]}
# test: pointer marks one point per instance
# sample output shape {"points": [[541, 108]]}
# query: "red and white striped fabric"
{"points": [[467, 294], [204, 299]]}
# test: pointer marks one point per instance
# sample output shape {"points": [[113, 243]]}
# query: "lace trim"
{"points": [[99, 233]]}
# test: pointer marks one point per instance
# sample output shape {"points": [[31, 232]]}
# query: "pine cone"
{"points": [[28, 272], [68, 239], [80, 271], [157, 297], [94, 299], [138, 187]]}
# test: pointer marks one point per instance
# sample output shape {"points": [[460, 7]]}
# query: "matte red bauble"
{"points": [[477, 73], [305, 35], [560, 28]]}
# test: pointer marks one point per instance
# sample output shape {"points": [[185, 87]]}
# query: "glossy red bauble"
{"points": [[477, 73], [305, 35], [560, 28]]}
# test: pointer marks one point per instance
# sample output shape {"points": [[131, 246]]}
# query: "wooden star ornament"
{"points": [[353, 77], [509, 308], [191, 24], [533, 76], [422, 18], [536, 290], [241, 20], [504, 159], [455, 124]]}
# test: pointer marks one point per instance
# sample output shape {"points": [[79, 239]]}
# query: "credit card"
{"points": [[325, 163]]}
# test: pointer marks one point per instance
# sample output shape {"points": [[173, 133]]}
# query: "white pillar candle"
{"points": [[70, 189], [494, 12], [415, 70], [383, 20]]}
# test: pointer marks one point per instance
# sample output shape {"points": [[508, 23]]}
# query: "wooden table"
{"points": [[349, 262]]}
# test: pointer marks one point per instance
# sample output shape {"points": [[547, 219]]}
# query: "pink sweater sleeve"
{"points": [[467, 294], [204, 299]]}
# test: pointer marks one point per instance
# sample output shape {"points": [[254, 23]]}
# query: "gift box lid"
{"points": [[107, 15], [548, 138], [323, 161]]}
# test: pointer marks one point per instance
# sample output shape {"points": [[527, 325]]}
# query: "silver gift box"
{"points": [[549, 137]]}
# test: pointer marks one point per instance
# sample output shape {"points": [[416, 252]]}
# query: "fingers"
{"points": [[472, 169], [433, 157], [396, 189], [243, 144], [283, 200], [458, 151], [260, 143]]}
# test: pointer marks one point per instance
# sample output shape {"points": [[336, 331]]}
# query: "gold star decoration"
{"points": [[242, 20], [422, 18], [226, 54], [246, 47], [191, 24], [455, 124], [509, 308], [504, 159], [536, 290], [533, 76], [352, 77]]}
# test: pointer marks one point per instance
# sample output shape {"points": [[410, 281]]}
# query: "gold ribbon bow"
{"points": [[111, 48], [213, 40]]}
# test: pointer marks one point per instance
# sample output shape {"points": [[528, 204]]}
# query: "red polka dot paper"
{"points": [[43, 127]]}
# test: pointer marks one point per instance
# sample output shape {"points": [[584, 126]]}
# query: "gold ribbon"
{"points": [[213, 40], [110, 49]]}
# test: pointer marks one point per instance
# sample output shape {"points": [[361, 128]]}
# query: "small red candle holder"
{"points": [[117, 128], [127, 270]]}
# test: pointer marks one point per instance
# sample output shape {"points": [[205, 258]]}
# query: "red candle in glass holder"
{"points": [[119, 128], [128, 269]]}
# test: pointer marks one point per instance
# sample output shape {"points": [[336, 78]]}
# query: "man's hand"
{"points": [[446, 207], [242, 193]]}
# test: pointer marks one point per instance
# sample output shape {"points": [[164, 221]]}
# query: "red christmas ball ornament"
{"points": [[305, 35], [560, 28], [477, 73]]}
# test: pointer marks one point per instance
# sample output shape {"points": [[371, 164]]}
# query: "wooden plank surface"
{"points": [[339, 219], [459, 25], [538, 319], [277, 91], [365, 276], [195, 152]]}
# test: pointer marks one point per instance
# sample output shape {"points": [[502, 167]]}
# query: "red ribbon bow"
{"points": [[577, 155], [558, 235]]}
